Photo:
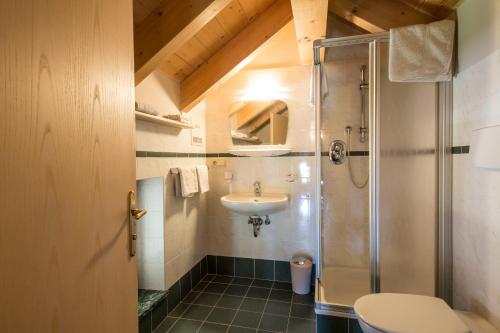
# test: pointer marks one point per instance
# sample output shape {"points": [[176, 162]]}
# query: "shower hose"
{"points": [[351, 174]]}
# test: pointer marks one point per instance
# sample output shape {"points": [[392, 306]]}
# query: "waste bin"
{"points": [[301, 267]]}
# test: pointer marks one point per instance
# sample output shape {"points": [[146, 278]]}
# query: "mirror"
{"points": [[259, 122]]}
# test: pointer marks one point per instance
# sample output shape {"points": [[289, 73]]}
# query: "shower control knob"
{"points": [[337, 152]]}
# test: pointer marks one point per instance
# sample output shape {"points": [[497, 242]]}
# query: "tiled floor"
{"points": [[234, 305]]}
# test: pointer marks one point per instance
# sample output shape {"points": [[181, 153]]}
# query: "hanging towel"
{"points": [[188, 181], [323, 84], [422, 52], [177, 182], [202, 171]]}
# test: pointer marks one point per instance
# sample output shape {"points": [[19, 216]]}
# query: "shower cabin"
{"points": [[383, 151]]}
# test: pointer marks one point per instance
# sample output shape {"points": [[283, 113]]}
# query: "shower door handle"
{"points": [[134, 214], [337, 151]]}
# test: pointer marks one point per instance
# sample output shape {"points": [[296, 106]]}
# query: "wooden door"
{"points": [[67, 163]]}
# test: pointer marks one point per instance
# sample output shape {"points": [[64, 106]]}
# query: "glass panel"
{"points": [[345, 211], [408, 184]]}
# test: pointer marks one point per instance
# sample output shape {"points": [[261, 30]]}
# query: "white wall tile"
{"points": [[476, 205]]}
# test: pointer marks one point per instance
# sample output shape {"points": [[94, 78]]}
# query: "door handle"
{"points": [[134, 215], [138, 213]]}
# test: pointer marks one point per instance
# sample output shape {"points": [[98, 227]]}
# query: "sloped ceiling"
{"points": [[234, 16]]}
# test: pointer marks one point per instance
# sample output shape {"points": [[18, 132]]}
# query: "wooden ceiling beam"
{"points": [[310, 18], [378, 15], [235, 54], [166, 29]]}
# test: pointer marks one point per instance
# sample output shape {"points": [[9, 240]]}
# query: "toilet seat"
{"points": [[405, 313]]}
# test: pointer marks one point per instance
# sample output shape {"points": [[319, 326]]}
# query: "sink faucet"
{"points": [[256, 189]]}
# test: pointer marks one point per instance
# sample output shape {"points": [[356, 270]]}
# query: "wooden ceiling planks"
{"points": [[214, 35], [437, 8], [167, 29], [235, 55]]}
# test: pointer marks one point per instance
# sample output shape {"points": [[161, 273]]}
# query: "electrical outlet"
{"points": [[217, 162]]}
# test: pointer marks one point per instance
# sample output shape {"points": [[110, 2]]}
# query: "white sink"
{"points": [[250, 204]]}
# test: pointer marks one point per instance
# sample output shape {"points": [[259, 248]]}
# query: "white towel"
{"points": [[323, 84], [202, 171], [145, 108], [422, 52], [189, 181], [177, 182]]}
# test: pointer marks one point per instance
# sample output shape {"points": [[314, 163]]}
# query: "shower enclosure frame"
{"points": [[444, 171]]}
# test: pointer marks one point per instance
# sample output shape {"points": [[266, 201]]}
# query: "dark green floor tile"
{"points": [[236, 329], [297, 325], [247, 319], [354, 326], [212, 264], [200, 286], [197, 312], [255, 305], [145, 323], [264, 269], [282, 285], [185, 326], [303, 311], [221, 316], [281, 295], [223, 279], [242, 281], [179, 310], [165, 325], [191, 297], [236, 290], [231, 302], [273, 323], [332, 324], [262, 283], [244, 267], [213, 328], [282, 271], [303, 299], [277, 308], [225, 265], [215, 288], [255, 292], [207, 299], [208, 278]]}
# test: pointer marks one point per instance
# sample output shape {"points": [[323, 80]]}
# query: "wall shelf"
{"points": [[161, 120]]}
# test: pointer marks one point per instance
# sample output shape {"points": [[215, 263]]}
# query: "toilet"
{"points": [[405, 313]]}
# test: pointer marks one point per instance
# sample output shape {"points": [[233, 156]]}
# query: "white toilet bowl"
{"points": [[404, 313]]}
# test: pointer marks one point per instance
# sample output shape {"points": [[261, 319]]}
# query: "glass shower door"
{"points": [[380, 237], [345, 243], [408, 184]]}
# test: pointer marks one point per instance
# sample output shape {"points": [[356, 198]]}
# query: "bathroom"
{"points": [[278, 173]]}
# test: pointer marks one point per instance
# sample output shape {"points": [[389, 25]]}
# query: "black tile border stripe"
{"points": [[143, 153], [460, 149]]}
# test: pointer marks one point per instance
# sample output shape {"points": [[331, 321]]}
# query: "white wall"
{"points": [[150, 244], [476, 192], [184, 219], [291, 231]]}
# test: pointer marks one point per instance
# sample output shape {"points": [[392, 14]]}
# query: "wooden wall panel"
{"points": [[68, 162]]}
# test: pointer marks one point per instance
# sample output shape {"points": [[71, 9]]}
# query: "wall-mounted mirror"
{"points": [[259, 123]]}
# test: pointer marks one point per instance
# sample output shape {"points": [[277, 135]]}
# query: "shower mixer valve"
{"points": [[337, 152]]}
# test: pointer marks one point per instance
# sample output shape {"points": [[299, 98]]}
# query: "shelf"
{"points": [[161, 120], [259, 151], [250, 140]]}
